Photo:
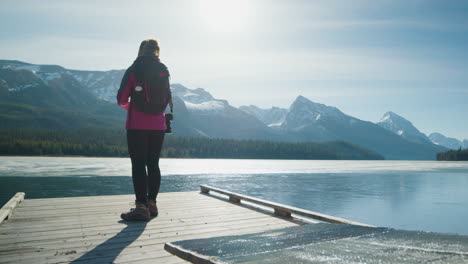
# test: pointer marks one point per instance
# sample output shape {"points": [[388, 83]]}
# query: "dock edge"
{"points": [[7, 210], [188, 255], [280, 209]]}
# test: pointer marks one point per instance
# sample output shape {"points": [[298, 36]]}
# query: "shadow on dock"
{"points": [[110, 249]]}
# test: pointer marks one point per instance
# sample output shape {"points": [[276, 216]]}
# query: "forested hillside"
{"points": [[112, 143], [454, 155]]}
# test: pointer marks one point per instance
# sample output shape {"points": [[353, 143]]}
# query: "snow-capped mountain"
{"points": [[402, 127], [49, 96], [215, 118], [272, 117], [450, 143], [315, 121], [197, 113], [45, 96], [304, 113], [310, 121], [40, 74], [103, 84], [198, 100]]}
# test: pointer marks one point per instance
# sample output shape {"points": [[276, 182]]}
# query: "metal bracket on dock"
{"points": [[279, 209], [7, 210], [206, 189]]}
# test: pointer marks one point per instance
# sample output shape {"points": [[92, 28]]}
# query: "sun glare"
{"points": [[224, 15]]}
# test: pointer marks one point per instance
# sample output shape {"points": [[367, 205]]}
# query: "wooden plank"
{"points": [[147, 232], [141, 257], [140, 245], [22, 214], [114, 217], [104, 204], [7, 210], [61, 230], [29, 220], [169, 260], [109, 230], [153, 256], [154, 233], [281, 209], [100, 204], [114, 220], [31, 204], [57, 254], [83, 223], [97, 202], [156, 256], [65, 200]]}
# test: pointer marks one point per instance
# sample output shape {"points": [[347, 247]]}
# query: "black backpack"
{"points": [[152, 92]]}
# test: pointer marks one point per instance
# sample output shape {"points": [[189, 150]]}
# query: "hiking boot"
{"points": [[152, 208], [139, 213]]}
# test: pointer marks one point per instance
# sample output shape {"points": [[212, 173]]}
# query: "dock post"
{"points": [[203, 189], [7, 210], [234, 199], [282, 212]]}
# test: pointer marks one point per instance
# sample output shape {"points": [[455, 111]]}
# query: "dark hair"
{"points": [[149, 46]]}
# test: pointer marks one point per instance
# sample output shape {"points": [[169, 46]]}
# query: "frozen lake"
{"points": [[410, 195]]}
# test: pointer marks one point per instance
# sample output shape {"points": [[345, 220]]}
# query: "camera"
{"points": [[169, 118]]}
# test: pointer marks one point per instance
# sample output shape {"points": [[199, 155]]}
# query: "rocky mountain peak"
{"points": [[271, 117], [391, 117], [451, 143], [198, 100], [402, 127], [194, 96], [310, 108], [304, 112]]}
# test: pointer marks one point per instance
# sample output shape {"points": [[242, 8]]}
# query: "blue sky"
{"points": [[364, 57]]}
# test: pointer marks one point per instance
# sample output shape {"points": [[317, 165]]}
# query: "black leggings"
{"points": [[144, 147]]}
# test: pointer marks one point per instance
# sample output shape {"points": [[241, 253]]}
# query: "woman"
{"points": [[145, 128]]}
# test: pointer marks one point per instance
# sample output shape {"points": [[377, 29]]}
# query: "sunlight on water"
{"points": [[67, 166]]}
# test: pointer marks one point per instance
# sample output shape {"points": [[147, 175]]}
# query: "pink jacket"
{"points": [[135, 118]]}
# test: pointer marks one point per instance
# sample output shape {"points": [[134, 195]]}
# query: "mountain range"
{"points": [[50, 96], [448, 142], [403, 128]]}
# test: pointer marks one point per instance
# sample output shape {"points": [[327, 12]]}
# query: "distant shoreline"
{"points": [[112, 143], [453, 155], [82, 156]]}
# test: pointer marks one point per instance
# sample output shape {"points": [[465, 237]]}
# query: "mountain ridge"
{"points": [[448, 142], [402, 127], [198, 113], [271, 117], [310, 121]]}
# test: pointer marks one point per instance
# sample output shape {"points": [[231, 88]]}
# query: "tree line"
{"points": [[454, 155], [112, 143]]}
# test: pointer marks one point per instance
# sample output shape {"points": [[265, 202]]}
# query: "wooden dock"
{"points": [[89, 229]]}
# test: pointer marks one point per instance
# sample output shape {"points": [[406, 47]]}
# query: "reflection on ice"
{"points": [[331, 243]]}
